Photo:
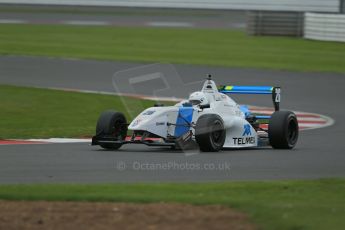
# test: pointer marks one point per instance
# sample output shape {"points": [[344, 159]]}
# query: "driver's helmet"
{"points": [[198, 98]]}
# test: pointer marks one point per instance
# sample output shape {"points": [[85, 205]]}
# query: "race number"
{"points": [[277, 95]]}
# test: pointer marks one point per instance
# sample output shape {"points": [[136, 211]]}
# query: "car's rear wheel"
{"points": [[210, 133], [283, 130], [112, 124]]}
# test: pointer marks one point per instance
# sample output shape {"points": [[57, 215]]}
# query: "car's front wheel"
{"points": [[210, 133], [112, 124]]}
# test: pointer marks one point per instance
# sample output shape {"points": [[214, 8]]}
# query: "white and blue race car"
{"points": [[209, 119]]}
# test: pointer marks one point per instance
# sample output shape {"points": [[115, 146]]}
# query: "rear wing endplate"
{"points": [[274, 91]]}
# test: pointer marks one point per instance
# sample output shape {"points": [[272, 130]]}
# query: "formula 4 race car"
{"points": [[209, 119]]}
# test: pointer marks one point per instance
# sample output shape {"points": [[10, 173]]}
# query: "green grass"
{"points": [[187, 46], [37, 113], [316, 204]]}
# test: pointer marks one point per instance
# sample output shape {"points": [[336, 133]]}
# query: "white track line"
{"points": [[61, 140], [13, 21], [170, 24], [307, 120], [86, 23]]}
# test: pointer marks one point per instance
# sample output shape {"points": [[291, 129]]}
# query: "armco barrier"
{"points": [[275, 23], [270, 5], [324, 27]]}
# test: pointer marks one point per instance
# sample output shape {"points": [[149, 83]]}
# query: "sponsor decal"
{"points": [[187, 136], [136, 122], [148, 112], [238, 113], [244, 140], [247, 130]]}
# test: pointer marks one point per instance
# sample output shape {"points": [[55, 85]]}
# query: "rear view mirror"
{"points": [[207, 106]]}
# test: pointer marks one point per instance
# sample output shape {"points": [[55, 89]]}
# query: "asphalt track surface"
{"points": [[319, 153]]}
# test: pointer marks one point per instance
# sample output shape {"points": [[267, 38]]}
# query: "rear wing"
{"points": [[274, 91]]}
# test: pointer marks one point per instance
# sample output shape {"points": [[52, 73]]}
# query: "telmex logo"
{"points": [[247, 130]]}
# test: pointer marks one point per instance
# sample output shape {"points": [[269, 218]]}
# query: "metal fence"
{"points": [[325, 27], [342, 6], [275, 23], [270, 5]]}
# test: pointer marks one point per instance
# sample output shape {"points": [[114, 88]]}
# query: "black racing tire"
{"points": [[112, 123], [283, 130], [210, 133]]}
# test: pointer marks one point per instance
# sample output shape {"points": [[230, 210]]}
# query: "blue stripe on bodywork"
{"points": [[245, 110], [262, 117], [183, 121]]}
